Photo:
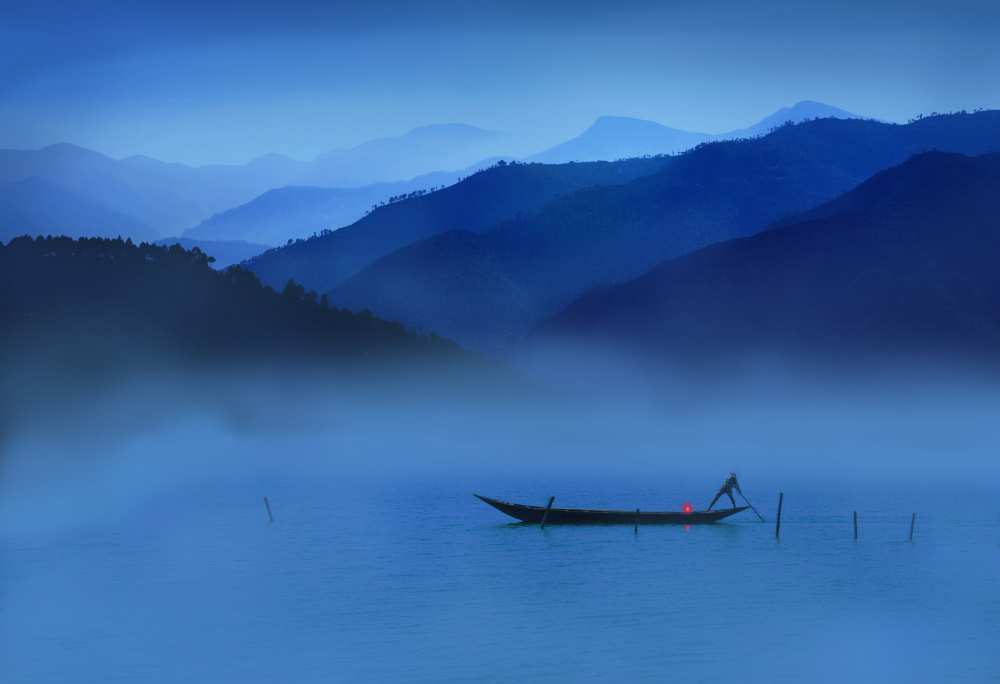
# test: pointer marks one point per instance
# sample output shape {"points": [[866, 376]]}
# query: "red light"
{"points": [[687, 507]]}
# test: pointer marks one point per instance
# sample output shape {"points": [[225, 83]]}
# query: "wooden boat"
{"points": [[584, 516]]}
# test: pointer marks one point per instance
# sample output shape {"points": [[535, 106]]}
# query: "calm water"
{"points": [[417, 581]]}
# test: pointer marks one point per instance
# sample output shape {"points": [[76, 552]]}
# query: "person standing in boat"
{"points": [[727, 488]]}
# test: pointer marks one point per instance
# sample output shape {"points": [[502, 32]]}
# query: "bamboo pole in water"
{"points": [[545, 516], [267, 505], [637, 521], [777, 519], [855, 525], [913, 523]]}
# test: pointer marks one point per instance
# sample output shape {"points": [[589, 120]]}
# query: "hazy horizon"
{"points": [[198, 85], [518, 148]]}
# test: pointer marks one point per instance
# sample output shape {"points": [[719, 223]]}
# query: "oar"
{"points": [[751, 507], [545, 516]]}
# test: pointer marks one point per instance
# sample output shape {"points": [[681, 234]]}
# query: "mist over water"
{"points": [[601, 254], [136, 545]]}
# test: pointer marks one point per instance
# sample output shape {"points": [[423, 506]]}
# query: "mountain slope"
{"points": [[475, 204], [603, 235], [294, 212], [165, 197], [903, 264], [798, 112], [282, 213], [34, 206], [420, 151]]}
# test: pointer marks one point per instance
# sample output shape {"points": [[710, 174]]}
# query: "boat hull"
{"points": [[583, 516]]}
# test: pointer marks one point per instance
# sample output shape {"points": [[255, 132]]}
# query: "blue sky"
{"points": [[185, 82]]}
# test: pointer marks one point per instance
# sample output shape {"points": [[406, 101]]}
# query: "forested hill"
{"points": [[904, 265], [502, 192], [102, 301], [527, 269]]}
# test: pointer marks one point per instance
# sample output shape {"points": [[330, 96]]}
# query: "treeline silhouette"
{"points": [[109, 300]]}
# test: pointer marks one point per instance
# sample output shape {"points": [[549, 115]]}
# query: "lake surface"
{"points": [[416, 581]]}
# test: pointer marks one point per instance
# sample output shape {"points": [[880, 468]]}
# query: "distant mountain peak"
{"points": [[605, 119], [609, 123], [812, 108], [455, 128], [69, 150], [811, 103], [618, 137], [65, 147], [802, 110]]}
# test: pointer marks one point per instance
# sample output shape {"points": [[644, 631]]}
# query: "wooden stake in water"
{"points": [[637, 521], [548, 508], [913, 523], [855, 525], [777, 519], [267, 505]]}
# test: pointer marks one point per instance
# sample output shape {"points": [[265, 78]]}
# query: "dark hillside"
{"points": [[904, 265], [98, 302]]}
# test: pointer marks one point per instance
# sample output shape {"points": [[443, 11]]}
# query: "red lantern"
{"points": [[687, 507]]}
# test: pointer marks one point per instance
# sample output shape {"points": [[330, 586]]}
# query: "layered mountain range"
{"points": [[486, 286], [619, 137], [829, 238], [161, 199], [274, 198]]}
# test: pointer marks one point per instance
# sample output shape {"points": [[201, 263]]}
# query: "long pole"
{"points": [[855, 525], [777, 520], [913, 523], [267, 505], [637, 522], [751, 507], [548, 508]]}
